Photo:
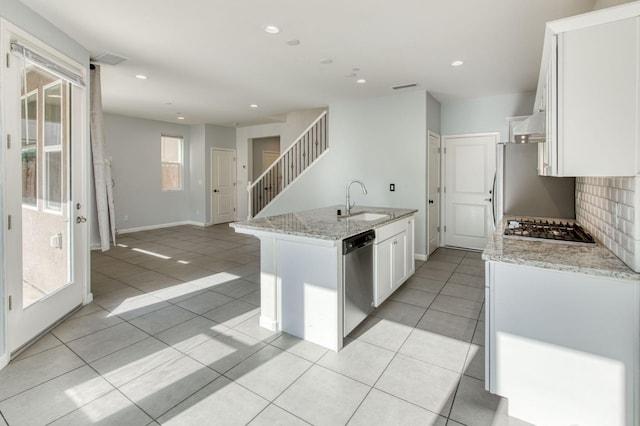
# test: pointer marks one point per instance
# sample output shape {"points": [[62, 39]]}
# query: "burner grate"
{"points": [[545, 230]]}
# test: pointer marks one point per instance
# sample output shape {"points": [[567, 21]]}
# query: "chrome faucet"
{"points": [[349, 206]]}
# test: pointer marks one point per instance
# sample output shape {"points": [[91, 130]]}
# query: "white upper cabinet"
{"points": [[589, 88]]}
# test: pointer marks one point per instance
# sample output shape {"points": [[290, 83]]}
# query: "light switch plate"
{"points": [[392, 187]]}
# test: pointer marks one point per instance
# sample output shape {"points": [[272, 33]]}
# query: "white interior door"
{"points": [[433, 233], [469, 167], [223, 185], [46, 164]]}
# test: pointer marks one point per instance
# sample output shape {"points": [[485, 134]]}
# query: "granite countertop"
{"points": [[587, 259], [323, 223]]}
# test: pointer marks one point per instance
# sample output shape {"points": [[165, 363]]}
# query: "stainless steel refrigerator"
{"points": [[519, 191]]}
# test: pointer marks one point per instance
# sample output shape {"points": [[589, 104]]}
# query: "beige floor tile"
{"points": [[358, 360], [407, 378], [413, 297], [269, 371], [223, 400], [162, 388], [162, 319], [274, 415], [424, 284], [106, 341], [204, 302], [110, 409], [190, 334], [55, 398], [133, 361], [299, 347], [24, 374], [322, 397], [474, 294], [474, 365], [449, 325], [226, 350], [399, 312], [233, 313], [85, 325], [381, 332], [44, 343], [436, 349], [474, 406], [382, 409]]}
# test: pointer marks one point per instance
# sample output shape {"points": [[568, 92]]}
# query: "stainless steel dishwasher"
{"points": [[357, 274]]}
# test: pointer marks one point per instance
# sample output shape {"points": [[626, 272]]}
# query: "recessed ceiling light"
{"points": [[253, 106], [271, 29], [180, 117], [326, 61], [141, 77], [293, 42], [456, 63], [361, 81]]}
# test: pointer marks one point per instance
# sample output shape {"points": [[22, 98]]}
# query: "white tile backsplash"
{"points": [[606, 207]]}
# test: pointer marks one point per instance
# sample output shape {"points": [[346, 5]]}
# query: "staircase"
{"points": [[302, 153]]}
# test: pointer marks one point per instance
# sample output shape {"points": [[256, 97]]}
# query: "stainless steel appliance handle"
{"points": [[493, 198]]}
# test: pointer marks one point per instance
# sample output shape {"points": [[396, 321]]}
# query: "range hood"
{"points": [[531, 130]]}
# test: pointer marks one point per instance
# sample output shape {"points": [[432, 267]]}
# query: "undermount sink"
{"points": [[368, 216]]}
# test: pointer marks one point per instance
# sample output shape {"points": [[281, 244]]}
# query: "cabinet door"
{"points": [[548, 151], [411, 264], [598, 99], [383, 254], [399, 259]]}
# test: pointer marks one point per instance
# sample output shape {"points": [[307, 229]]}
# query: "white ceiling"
{"points": [[211, 58]]}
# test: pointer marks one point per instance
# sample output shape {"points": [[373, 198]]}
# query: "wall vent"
{"points": [[108, 58], [404, 86]]}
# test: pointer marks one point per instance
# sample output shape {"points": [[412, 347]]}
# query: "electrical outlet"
{"points": [[392, 187]]}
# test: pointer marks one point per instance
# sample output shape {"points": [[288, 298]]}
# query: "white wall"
{"points": [[485, 114], [379, 141], [197, 172], [134, 145], [433, 114], [601, 4], [29, 21], [297, 122]]}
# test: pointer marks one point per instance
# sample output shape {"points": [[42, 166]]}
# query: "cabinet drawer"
{"points": [[388, 231]]}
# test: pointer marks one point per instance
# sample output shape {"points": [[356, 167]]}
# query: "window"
{"points": [[171, 157], [53, 129], [30, 149]]}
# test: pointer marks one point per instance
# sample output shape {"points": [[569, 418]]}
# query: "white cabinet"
{"points": [[393, 252], [563, 347], [589, 88]]}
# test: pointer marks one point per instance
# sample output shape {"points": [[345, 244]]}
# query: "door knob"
{"points": [[488, 199], [215, 190], [430, 201], [81, 219]]}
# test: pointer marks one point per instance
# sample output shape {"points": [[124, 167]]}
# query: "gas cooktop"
{"points": [[548, 231]]}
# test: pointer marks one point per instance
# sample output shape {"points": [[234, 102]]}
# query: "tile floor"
{"points": [[172, 337]]}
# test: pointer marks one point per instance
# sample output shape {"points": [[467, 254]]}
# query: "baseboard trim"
{"points": [[158, 226], [268, 323], [419, 256]]}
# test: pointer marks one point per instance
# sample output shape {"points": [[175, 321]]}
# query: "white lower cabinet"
{"points": [[563, 347], [393, 253]]}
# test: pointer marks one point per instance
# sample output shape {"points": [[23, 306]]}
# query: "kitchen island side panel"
{"points": [[310, 291], [563, 346]]}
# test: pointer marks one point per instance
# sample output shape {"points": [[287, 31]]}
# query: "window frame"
{"points": [[47, 205], [180, 162], [24, 101]]}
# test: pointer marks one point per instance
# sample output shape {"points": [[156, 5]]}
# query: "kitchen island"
{"points": [[301, 265], [562, 338]]}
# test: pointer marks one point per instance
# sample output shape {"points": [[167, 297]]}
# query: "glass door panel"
{"points": [[46, 208]]}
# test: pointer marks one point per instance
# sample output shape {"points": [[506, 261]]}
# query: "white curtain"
{"points": [[101, 165]]}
